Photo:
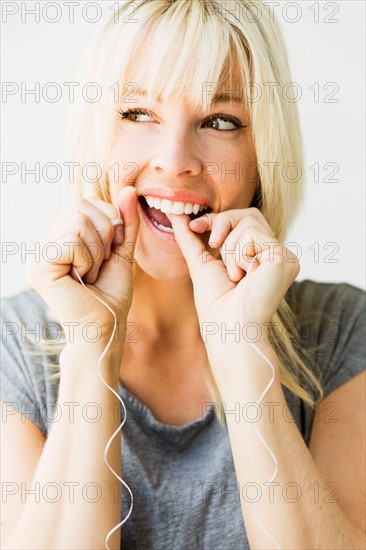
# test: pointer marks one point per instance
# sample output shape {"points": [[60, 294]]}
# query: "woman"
{"points": [[243, 415]]}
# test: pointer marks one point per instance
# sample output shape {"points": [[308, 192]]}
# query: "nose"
{"points": [[176, 154]]}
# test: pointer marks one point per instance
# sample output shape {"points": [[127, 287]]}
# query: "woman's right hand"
{"points": [[82, 236]]}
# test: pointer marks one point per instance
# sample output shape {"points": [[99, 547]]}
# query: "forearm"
{"points": [[297, 508], [72, 466]]}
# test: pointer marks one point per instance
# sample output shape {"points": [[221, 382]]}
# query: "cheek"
{"points": [[126, 148], [237, 177], [239, 196], [125, 162]]}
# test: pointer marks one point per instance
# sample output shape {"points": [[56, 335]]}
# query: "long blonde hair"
{"points": [[188, 47]]}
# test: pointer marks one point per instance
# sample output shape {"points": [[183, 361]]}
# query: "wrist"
{"points": [[244, 366], [231, 346], [94, 333], [81, 358]]}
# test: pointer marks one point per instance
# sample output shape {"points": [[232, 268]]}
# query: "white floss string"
{"points": [[255, 427], [114, 222]]}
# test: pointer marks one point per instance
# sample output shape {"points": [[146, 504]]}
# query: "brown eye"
{"points": [[134, 115], [222, 123]]}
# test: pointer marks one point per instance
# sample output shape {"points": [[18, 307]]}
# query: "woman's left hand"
{"points": [[224, 291]]}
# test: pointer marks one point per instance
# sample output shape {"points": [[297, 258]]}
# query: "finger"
{"points": [[113, 213], [222, 223], [221, 228], [108, 209], [245, 250], [94, 229], [203, 223], [73, 253], [102, 215], [91, 240], [193, 249], [125, 241]]}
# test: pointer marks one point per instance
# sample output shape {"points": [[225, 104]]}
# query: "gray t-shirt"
{"points": [[182, 477]]}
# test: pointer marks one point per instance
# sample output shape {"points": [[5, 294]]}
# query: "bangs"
{"points": [[186, 49], [186, 54]]}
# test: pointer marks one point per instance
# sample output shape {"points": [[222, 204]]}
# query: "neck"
{"points": [[164, 308]]}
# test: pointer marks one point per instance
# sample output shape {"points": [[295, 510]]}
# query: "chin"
{"points": [[161, 263], [164, 273]]}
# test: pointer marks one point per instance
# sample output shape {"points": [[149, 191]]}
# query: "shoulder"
{"points": [[334, 298], [31, 341], [329, 309], [26, 313], [26, 303], [331, 323]]}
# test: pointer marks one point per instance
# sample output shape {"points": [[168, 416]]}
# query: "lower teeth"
{"points": [[162, 227]]}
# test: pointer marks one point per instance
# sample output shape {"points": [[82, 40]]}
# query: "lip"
{"points": [[155, 230], [177, 195]]}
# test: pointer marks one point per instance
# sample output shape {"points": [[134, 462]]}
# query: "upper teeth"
{"points": [[172, 207]]}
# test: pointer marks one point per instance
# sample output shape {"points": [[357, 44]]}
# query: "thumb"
{"points": [[124, 246], [193, 249]]}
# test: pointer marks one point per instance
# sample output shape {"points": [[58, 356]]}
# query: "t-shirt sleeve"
{"points": [[23, 384], [333, 328], [349, 354]]}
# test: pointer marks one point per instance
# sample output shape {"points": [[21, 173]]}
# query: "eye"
{"points": [[217, 122], [223, 123], [134, 115]]}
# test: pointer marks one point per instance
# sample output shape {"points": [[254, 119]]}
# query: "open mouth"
{"points": [[156, 209]]}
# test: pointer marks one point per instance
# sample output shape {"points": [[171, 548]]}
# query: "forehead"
{"points": [[218, 94], [179, 64], [138, 88], [173, 51]]}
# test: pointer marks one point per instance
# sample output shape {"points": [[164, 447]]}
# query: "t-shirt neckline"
{"points": [[144, 412]]}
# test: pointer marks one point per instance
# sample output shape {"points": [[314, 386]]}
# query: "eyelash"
{"points": [[123, 115]]}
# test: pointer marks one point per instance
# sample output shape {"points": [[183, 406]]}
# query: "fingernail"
{"points": [[118, 235]]}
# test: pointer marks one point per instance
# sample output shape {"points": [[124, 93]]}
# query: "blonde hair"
{"points": [[253, 45]]}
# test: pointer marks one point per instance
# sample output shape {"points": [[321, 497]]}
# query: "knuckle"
{"points": [[215, 220], [226, 223], [296, 267], [71, 237], [254, 212], [279, 261], [247, 222], [291, 257], [222, 222], [82, 218]]}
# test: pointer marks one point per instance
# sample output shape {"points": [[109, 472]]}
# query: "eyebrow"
{"points": [[226, 98], [217, 98]]}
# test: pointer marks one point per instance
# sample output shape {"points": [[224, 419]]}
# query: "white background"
{"points": [[320, 52]]}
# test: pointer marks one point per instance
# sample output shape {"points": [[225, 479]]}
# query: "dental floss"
{"points": [[121, 400], [114, 222], [258, 403]]}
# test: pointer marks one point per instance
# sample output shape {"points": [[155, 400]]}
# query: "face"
{"points": [[182, 159]]}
